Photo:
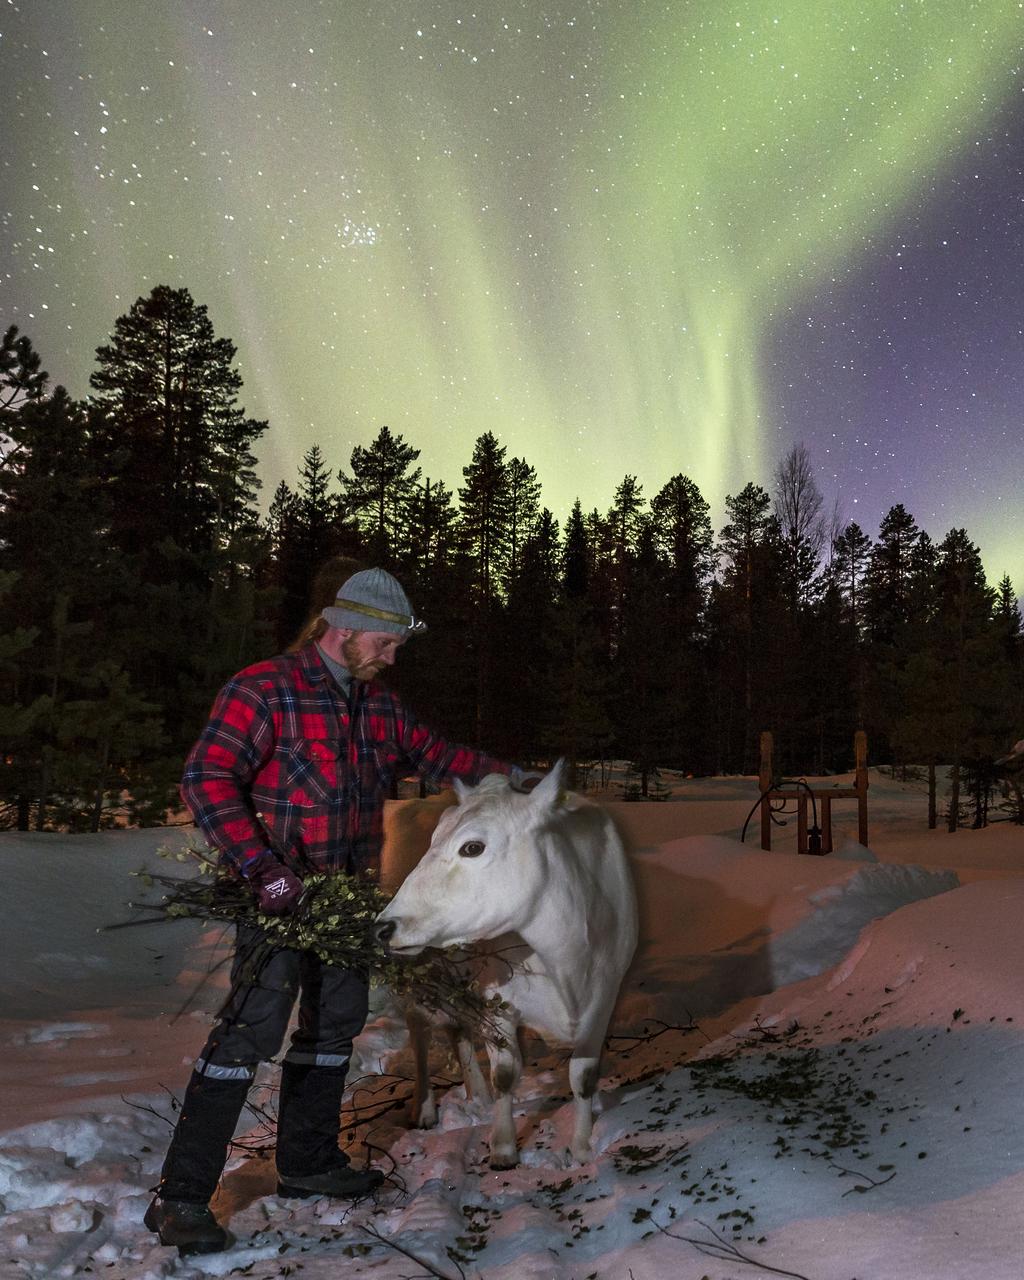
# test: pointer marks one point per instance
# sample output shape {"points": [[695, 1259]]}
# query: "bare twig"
{"points": [[152, 1111], [428, 1267], [724, 1250], [626, 1044], [859, 1173]]}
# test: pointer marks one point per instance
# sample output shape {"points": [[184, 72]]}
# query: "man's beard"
{"points": [[360, 667]]}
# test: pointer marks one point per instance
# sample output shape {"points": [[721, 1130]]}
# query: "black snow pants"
{"points": [[250, 1030]]}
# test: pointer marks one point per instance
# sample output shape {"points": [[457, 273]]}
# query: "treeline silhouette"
{"points": [[137, 574]]}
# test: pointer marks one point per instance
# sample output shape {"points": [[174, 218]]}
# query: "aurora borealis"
{"points": [[623, 236]]}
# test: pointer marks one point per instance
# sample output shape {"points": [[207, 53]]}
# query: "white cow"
{"points": [[550, 868]]}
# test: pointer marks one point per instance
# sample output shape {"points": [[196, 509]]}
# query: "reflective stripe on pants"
{"points": [[252, 1025]]}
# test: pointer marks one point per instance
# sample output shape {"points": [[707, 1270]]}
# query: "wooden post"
{"points": [[860, 750], [804, 795], [826, 823], [764, 782]]}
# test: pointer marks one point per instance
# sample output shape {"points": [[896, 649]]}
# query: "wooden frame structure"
{"points": [[823, 796]]}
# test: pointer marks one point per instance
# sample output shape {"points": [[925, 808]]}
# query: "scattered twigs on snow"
{"points": [[428, 1267], [724, 1250], [653, 1029], [626, 1044], [358, 1112], [872, 1183], [152, 1111]]}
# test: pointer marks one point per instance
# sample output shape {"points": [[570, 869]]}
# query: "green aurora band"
{"points": [[581, 229], [768, 154]]}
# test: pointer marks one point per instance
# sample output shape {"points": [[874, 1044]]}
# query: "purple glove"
{"points": [[277, 889]]}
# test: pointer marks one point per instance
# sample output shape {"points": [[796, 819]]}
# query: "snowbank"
{"points": [[845, 1105]]}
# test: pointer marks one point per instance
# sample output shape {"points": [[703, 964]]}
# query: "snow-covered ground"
{"points": [[817, 1069]]}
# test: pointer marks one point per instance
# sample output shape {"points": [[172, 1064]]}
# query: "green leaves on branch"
{"points": [[335, 922]]}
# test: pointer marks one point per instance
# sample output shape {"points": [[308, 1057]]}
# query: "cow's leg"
{"points": [[424, 1107], [506, 1067], [584, 1071], [472, 1076]]}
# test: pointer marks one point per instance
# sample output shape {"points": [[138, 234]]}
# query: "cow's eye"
{"points": [[472, 849]]}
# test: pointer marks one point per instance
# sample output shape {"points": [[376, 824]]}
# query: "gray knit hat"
{"points": [[372, 600]]}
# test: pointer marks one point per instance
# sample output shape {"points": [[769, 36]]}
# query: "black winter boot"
{"points": [[309, 1119], [195, 1158], [344, 1183], [190, 1227], [309, 1161]]}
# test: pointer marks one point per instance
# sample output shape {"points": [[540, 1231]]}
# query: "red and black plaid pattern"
{"points": [[285, 762]]}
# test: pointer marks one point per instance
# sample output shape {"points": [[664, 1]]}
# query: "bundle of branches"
{"points": [[334, 921]]}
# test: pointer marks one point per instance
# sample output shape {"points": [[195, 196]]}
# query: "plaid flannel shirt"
{"points": [[286, 762]]}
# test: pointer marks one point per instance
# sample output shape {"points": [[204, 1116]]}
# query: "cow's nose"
{"points": [[384, 931]]}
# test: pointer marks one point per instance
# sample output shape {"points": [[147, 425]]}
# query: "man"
{"points": [[290, 775]]}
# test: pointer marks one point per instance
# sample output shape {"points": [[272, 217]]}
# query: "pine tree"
{"points": [[967, 643], [646, 721], [283, 558], [104, 735], [573, 721], [22, 381], [22, 709], [180, 485], [281, 518], [624, 525], [798, 511], [62, 578], [830, 651], [22, 378], [896, 597], [379, 494], [316, 508], [684, 545], [431, 539], [525, 644], [1010, 635], [890, 573], [311, 534], [683, 538], [483, 534], [484, 515], [746, 638], [523, 512], [1008, 623], [167, 405], [851, 551], [576, 559], [925, 720]]}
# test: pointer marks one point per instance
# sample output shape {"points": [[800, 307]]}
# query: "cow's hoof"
{"points": [[503, 1158], [425, 1117], [583, 1155]]}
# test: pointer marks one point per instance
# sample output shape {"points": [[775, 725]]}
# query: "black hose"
{"points": [[779, 822]]}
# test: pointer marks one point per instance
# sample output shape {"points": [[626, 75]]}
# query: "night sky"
{"points": [[623, 236]]}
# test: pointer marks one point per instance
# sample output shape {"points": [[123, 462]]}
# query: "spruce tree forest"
{"points": [[138, 572]]}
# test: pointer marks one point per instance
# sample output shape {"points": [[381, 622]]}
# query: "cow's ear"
{"points": [[549, 792]]}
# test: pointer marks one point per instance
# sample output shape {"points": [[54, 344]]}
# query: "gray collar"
{"points": [[342, 675]]}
